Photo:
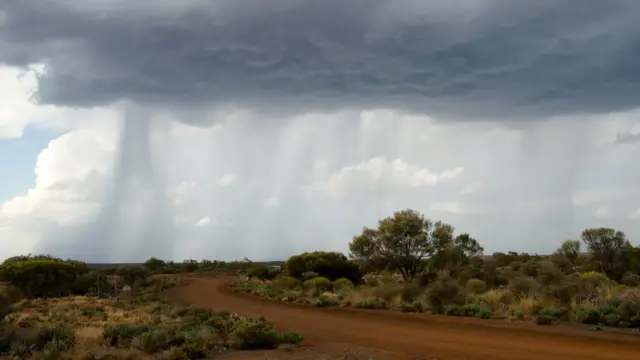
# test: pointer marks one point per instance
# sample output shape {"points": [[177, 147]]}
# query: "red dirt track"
{"points": [[401, 336]]}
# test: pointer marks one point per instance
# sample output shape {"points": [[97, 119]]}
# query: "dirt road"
{"points": [[402, 336]]}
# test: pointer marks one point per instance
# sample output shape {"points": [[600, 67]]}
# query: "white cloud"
{"points": [[380, 174], [454, 207], [227, 180], [603, 213], [272, 201], [472, 188], [205, 221], [635, 215]]}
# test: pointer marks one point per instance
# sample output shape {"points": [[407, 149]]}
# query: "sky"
{"points": [[224, 129]]}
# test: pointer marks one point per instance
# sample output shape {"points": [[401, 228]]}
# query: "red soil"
{"points": [[402, 336]]}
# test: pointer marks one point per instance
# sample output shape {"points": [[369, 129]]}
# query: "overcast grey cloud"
{"points": [[627, 137], [313, 118], [465, 59]]}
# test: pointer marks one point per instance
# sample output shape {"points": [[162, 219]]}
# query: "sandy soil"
{"points": [[390, 335]]}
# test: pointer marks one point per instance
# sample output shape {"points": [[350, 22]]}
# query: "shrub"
{"points": [[588, 317], [414, 306], [253, 334], [343, 284], [291, 337], [612, 320], [476, 286], [544, 320], [555, 313], [332, 265], [308, 275], [516, 315], [523, 286], [327, 301], [60, 336], [122, 334], [288, 282], [27, 277], [263, 273], [371, 303], [444, 292], [484, 313], [160, 339], [318, 285]]}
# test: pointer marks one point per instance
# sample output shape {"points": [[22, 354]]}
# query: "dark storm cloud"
{"points": [[471, 58]]}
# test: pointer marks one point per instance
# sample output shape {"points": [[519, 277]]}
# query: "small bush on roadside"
{"points": [[343, 284], [326, 300], [371, 303], [444, 292], [544, 319], [291, 337], [253, 334]]}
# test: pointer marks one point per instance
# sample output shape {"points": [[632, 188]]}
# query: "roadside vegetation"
{"points": [[60, 309], [412, 264]]}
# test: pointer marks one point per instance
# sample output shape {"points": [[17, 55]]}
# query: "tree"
{"points": [[154, 264], [610, 249], [132, 274], [401, 242], [571, 250]]}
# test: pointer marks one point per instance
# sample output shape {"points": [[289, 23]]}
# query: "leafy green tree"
{"points": [[190, 265], [402, 242], [571, 250], [154, 264], [132, 274], [610, 249]]}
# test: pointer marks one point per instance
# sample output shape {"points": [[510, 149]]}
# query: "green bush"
{"points": [[484, 313], [60, 336], [332, 265], [544, 319], [253, 334], [327, 301], [122, 334], [318, 285], [414, 306], [291, 337], [612, 320], [288, 282], [371, 303], [588, 317], [343, 284], [28, 277], [555, 313], [160, 339], [444, 292]]}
